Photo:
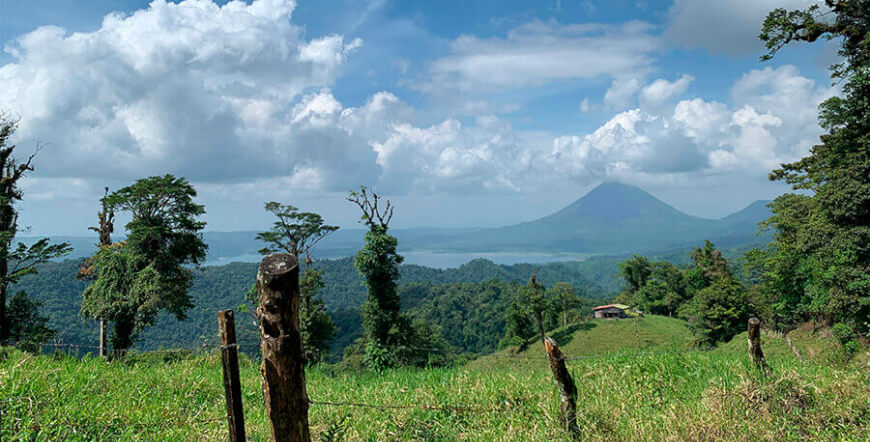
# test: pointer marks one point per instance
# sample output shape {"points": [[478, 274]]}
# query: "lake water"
{"points": [[440, 260]]}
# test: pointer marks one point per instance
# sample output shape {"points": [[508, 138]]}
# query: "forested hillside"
{"points": [[221, 287]]}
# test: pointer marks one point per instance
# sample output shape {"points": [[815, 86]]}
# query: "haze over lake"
{"points": [[440, 260]]}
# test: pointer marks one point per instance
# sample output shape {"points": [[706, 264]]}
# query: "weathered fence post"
{"points": [[283, 365], [755, 352], [232, 385], [567, 388]]}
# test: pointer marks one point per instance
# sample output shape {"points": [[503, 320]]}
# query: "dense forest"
{"points": [[220, 287]]}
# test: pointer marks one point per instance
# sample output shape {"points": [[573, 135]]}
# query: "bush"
{"points": [[844, 334]]}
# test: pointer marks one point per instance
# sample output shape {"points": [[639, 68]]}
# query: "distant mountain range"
{"points": [[616, 218], [611, 219]]}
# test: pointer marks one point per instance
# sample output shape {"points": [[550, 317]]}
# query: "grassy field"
{"points": [[632, 385]]}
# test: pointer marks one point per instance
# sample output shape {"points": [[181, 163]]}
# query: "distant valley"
{"points": [[611, 219]]}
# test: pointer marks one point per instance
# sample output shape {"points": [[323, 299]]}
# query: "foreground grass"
{"points": [[625, 395]]}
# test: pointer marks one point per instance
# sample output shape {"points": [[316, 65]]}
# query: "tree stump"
{"points": [[754, 339], [567, 389], [283, 366]]}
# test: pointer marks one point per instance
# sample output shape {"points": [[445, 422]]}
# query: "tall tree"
{"points": [[719, 306], [536, 303], [147, 273], [378, 264], [822, 235], [294, 232], [28, 328], [565, 298], [20, 260], [297, 233], [709, 266], [635, 272], [104, 231], [314, 321]]}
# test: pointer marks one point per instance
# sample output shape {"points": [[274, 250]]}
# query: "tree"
{"points": [[822, 235], [28, 328], [297, 233], [16, 261], [718, 312], [664, 291], [709, 265], [534, 306], [378, 264], [719, 306], [104, 231], [138, 278], [294, 232], [566, 298], [536, 303], [635, 272], [314, 321]]}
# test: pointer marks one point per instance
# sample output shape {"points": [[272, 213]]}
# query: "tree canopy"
{"points": [[136, 279], [17, 261], [818, 264]]}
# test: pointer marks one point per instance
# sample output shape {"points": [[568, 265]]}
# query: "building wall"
{"points": [[610, 313]]}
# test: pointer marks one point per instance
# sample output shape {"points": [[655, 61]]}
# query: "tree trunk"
{"points": [[564, 313], [122, 339], [4, 326], [283, 366], [539, 321], [103, 350], [4, 287]]}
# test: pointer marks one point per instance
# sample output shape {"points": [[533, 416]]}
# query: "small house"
{"points": [[611, 311]]}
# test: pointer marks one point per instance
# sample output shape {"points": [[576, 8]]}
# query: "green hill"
{"points": [[598, 337]]}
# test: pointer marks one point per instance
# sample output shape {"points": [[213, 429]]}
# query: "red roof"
{"points": [[621, 307]]}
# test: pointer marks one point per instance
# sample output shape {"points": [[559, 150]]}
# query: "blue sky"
{"points": [[471, 113]]}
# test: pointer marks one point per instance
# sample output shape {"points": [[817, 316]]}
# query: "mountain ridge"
{"points": [[612, 218]]}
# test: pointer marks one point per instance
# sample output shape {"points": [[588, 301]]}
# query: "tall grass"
{"points": [[650, 388], [626, 395]]}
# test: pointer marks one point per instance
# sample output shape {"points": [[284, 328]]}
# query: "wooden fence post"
{"points": [[232, 385], [567, 388], [283, 365], [754, 339]]}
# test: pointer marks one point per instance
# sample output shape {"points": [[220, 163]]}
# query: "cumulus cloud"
{"points": [[621, 93], [772, 120], [540, 52], [486, 156], [206, 91], [723, 27], [660, 91], [236, 94]]}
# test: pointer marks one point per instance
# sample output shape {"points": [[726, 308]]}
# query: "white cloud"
{"points": [[622, 91], [540, 52], [235, 94], [772, 120], [206, 91], [729, 27], [658, 92], [486, 156]]}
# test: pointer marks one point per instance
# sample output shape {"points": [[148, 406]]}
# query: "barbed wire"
{"points": [[36, 427], [386, 407]]}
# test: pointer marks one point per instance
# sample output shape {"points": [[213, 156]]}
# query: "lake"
{"points": [[440, 260]]}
